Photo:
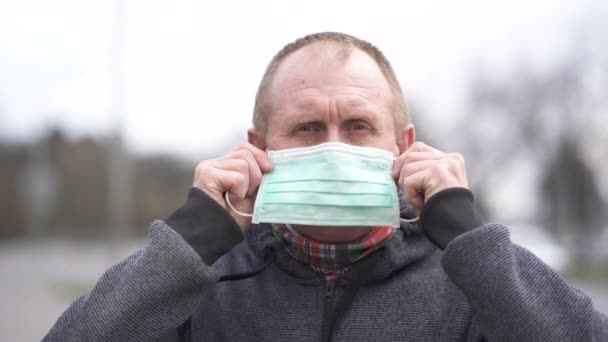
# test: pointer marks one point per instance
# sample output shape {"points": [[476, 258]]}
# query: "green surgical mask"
{"points": [[331, 184]]}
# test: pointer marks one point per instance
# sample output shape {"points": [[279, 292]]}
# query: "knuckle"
{"points": [[457, 157], [243, 145], [201, 168], [235, 154], [246, 148], [208, 184], [442, 168], [452, 164], [244, 155], [240, 184], [242, 165], [419, 144], [407, 182], [226, 156], [203, 178], [256, 174], [409, 169]]}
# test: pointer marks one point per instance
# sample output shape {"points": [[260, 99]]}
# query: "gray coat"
{"points": [[482, 287]]}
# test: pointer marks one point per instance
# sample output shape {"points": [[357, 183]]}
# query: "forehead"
{"points": [[328, 69]]}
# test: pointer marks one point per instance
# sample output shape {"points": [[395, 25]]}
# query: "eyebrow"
{"points": [[364, 112], [354, 110], [311, 117]]}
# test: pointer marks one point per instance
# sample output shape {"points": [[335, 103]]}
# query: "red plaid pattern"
{"points": [[331, 260]]}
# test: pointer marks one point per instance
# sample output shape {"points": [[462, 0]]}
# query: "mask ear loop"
{"points": [[415, 219], [227, 198]]}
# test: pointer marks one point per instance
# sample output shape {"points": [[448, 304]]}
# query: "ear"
{"points": [[256, 139], [406, 137]]}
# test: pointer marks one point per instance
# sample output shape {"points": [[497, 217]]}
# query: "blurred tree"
{"points": [[161, 185], [424, 133], [12, 218], [82, 205], [572, 204], [546, 119], [38, 185], [80, 195]]}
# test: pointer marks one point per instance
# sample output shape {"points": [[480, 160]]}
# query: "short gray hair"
{"points": [[347, 42]]}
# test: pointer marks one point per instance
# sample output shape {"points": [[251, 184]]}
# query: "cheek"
{"points": [[274, 144], [385, 142], [277, 142]]}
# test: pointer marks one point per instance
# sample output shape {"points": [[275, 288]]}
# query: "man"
{"points": [[207, 273]]}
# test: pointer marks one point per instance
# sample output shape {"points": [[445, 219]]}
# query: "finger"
{"points": [[415, 167], [233, 182], [459, 165], [418, 182], [215, 182], [253, 169], [412, 157], [443, 174], [419, 146], [260, 156], [415, 161], [397, 166], [416, 147], [457, 168], [449, 168], [415, 186], [239, 165]]}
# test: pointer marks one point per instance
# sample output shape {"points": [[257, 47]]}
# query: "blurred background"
{"points": [[107, 106]]}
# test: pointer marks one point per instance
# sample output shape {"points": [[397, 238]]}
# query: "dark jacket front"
{"points": [[482, 287]]}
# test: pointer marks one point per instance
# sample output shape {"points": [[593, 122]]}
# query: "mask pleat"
{"points": [[329, 184]]}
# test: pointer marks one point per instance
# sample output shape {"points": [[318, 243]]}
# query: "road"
{"points": [[40, 279]]}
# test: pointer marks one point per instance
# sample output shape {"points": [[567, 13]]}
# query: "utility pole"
{"points": [[120, 168]]}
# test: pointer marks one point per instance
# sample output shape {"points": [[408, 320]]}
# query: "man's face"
{"points": [[318, 98]]}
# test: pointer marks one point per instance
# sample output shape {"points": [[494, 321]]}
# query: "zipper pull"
{"points": [[329, 292]]}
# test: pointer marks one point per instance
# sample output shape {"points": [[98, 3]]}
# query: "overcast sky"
{"points": [[192, 67]]}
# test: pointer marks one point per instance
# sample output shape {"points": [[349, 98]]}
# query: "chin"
{"points": [[335, 234]]}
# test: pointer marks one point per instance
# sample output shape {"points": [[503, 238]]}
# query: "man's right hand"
{"points": [[239, 173]]}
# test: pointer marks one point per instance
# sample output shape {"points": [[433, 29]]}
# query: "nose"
{"points": [[333, 134]]}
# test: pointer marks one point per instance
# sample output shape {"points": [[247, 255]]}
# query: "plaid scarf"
{"points": [[331, 260]]}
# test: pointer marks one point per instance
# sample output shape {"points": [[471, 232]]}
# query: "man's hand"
{"points": [[423, 171], [238, 173]]}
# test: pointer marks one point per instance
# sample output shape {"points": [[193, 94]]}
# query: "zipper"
{"points": [[329, 293], [328, 305]]}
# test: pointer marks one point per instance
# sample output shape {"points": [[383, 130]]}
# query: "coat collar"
{"points": [[408, 246]]}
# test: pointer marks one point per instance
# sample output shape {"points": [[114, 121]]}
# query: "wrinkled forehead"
{"points": [[328, 66]]}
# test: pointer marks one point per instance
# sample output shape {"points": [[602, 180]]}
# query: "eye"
{"points": [[358, 126], [307, 128]]}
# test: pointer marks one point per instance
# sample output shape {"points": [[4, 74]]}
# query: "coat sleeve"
{"points": [[152, 294], [514, 296]]}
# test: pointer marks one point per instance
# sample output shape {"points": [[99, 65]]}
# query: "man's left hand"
{"points": [[422, 171]]}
